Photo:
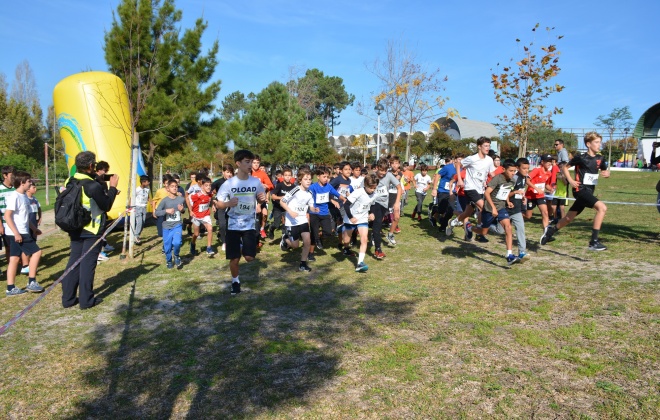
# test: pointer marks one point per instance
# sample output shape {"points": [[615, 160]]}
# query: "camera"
{"points": [[107, 177]]}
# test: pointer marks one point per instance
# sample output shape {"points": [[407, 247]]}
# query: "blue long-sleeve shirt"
{"points": [[321, 195]]}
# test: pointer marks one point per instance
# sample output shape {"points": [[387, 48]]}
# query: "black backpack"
{"points": [[70, 215]]}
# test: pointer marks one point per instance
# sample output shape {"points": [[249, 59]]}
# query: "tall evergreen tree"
{"points": [[167, 77]]}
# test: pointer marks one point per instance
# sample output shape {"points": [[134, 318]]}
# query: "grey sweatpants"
{"points": [[519, 223], [140, 217]]}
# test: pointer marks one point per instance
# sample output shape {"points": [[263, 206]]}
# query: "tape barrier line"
{"points": [[25, 310], [550, 197]]}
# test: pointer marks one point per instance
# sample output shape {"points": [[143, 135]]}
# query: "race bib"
{"points": [[590, 179], [343, 191], [246, 205], [203, 207], [446, 187], [323, 198], [540, 186], [300, 209], [518, 196], [479, 175], [174, 217], [381, 190], [34, 208], [503, 193]]}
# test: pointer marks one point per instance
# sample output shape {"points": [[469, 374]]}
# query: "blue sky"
{"points": [[607, 58]]}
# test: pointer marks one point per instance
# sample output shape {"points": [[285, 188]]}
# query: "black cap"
{"points": [[547, 158]]}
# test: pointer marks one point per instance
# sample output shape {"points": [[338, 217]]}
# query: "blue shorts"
{"points": [[349, 226], [487, 218]]}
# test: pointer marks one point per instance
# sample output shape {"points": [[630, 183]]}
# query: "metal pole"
{"points": [[46, 170], [378, 141]]}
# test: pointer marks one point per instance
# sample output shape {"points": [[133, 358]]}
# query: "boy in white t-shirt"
{"points": [[477, 168], [357, 217], [297, 203], [20, 234], [240, 194], [422, 182], [141, 200]]}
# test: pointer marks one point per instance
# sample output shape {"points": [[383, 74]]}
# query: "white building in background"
{"points": [[457, 128]]}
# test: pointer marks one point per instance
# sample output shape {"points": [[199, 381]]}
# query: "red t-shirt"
{"points": [[460, 191], [201, 204], [538, 177], [496, 172]]}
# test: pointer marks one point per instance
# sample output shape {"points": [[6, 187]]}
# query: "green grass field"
{"points": [[439, 329]]}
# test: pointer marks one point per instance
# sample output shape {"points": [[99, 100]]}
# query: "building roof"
{"points": [[462, 128], [648, 124]]}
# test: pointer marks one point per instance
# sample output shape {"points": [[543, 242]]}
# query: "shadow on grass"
{"points": [[210, 355]]}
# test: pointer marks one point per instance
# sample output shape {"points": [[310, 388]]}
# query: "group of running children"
{"points": [[347, 200]]}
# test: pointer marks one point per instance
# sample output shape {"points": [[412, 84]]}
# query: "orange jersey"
{"points": [[264, 178], [409, 175]]}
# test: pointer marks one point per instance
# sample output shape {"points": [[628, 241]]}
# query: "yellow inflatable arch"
{"points": [[93, 115]]}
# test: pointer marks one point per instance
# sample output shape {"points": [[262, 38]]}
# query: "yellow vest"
{"points": [[94, 226]]}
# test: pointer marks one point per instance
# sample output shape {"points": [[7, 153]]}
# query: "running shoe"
{"points": [[224, 247], [170, 265], [34, 287], [348, 253], [319, 245], [14, 292], [235, 288], [412, 216], [283, 245], [177, 262], [379, 255], [108, 248], [209, 251], [102, 257], [454, 222], [193, 250], [311, 257], [262, 233], [25, 270], [304, 267], [419, 217], [449, 230], [481, 238], [547, 234], [361, 267], [390, 239], [512, 259], [523, 256], [468, 231], [596, 246], [432, 221], [397, 230]]}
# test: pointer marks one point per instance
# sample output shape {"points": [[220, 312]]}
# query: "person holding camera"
{"points": [[95, 198]]}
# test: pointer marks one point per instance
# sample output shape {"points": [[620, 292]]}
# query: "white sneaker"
{"points": [[390, 239], [102, 257], [25, 270], [454, 222], [224, 247]]}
